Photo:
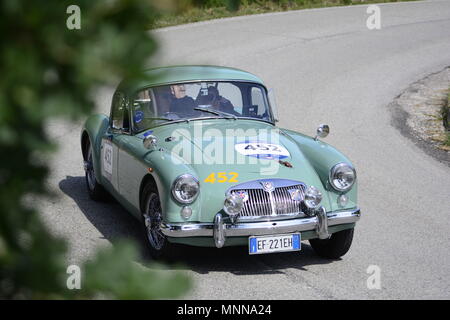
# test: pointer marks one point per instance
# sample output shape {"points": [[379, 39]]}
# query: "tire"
{"points": [[95, 190], [336, 246], [157, 243]]}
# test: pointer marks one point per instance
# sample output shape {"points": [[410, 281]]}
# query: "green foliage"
{"points": [[106, 274], [447, 139], [49, 71]]}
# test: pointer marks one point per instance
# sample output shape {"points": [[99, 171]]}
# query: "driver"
{"points": [[218, 102], [181, 103]]}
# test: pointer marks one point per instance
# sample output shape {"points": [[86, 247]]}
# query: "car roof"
{"points": [[166, 75]]}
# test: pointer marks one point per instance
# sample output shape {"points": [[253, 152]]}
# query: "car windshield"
{"points": [[197, 100]]}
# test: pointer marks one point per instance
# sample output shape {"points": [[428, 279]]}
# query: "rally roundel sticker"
{"points": [[262, 150], [138, 116]]}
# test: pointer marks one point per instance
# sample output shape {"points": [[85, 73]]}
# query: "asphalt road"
{"points": [[326, 67]]}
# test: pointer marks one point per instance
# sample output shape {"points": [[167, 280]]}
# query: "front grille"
{"points": [[261, 203]]}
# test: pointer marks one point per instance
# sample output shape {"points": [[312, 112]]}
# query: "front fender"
{"points": [[164, 173], [323, 157]]}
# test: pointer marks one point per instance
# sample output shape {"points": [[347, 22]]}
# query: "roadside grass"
{"points": [[447, 141], [250, 7]]}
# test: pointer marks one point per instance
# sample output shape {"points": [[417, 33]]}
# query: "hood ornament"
{"points": [[268, 186]]}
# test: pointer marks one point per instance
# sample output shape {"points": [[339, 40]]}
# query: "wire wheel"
{"points": [[152, 220]]}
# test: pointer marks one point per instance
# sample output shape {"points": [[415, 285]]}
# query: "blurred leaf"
{"points": [[49, 71], [114, 274]]}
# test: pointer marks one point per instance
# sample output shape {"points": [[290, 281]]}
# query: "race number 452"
{"points": [[108, 158]]}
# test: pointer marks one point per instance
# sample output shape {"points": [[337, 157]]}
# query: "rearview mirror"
{"points": [[322, 131], [149, 141]]}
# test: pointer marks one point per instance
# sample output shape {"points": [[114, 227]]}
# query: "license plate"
{"points": [[275, 243]]}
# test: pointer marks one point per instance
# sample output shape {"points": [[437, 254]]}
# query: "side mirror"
{"points": [[273, 105], [150, 141], [322, 131]]}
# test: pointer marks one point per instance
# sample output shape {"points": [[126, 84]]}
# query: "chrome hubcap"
{"points": [[152, 220]]}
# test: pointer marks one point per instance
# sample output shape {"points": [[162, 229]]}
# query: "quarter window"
{"points": [[119, 113]]}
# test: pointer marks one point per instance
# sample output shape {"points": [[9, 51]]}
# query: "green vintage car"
{"points": [[193, 152]]}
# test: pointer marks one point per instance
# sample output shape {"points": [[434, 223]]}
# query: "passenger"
{"points": [[181, 103]]}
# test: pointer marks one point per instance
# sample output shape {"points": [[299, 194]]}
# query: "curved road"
{"points": [[326, 67]]}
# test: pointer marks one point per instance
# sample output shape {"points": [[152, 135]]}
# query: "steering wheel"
{"points": [[172, 115]]}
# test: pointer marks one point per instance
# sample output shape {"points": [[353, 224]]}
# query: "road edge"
{"points": [[399, 119]]}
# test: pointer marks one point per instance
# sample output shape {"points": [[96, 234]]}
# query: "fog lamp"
{"points": [[233, 205], [312, 197]]}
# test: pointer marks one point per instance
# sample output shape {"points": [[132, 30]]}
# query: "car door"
{"points": [[130, 170], [110, 143]]}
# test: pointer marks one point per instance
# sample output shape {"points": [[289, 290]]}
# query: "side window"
{"points": [[258, 105], [232, 93], [119, 112], [143, 109]]}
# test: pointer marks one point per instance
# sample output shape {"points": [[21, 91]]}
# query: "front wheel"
{"points": [[334, 247], [152, 217]]}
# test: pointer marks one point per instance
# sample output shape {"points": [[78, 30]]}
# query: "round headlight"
{"points": [[342, 177], [312, 197], [233, 205], [185, 188]]}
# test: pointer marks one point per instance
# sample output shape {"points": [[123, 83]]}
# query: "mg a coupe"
{"points": [[194, 153]]}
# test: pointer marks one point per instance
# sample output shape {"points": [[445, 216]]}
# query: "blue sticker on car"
{"points": [[138, 116]]}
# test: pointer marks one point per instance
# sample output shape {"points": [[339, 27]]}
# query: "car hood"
{"points": [[251, 149]]}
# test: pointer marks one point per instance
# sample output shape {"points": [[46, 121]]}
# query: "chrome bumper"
{"points": [[221, 230]]}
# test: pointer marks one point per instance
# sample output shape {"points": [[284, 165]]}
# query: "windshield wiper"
{"points": [[216, 112], [161, 118]]}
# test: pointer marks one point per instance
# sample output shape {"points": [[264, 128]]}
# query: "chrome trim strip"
{"points": [[272, 204], [284, 216], [342, 217], [256, 228], [256, 184]]}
